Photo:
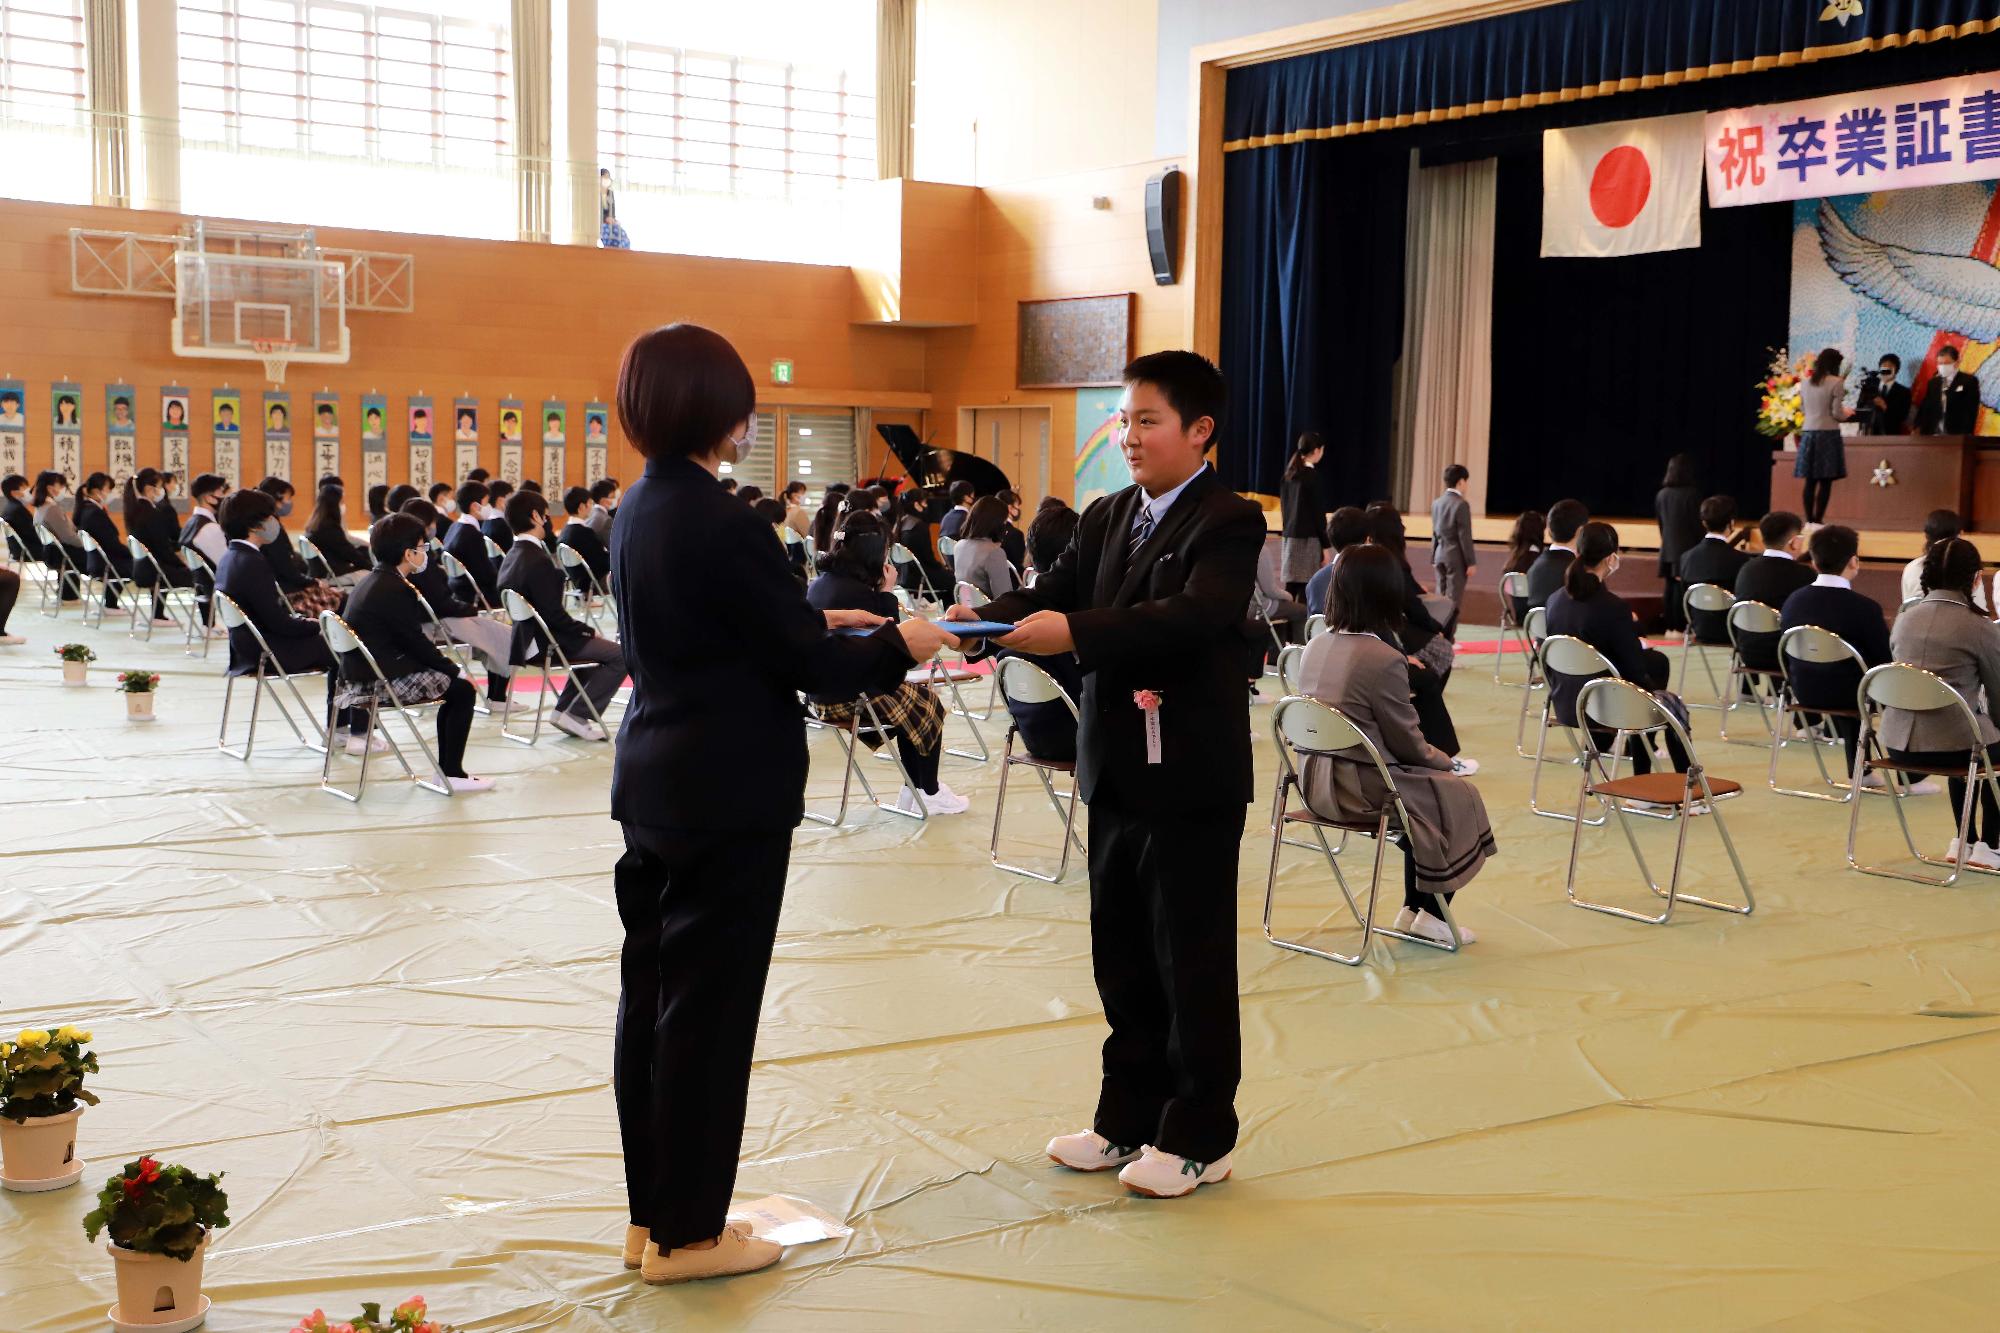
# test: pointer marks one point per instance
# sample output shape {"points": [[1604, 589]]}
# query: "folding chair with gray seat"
{"points": [[1315, 626], [493, 551], [1289, 661], [67, 576], [1023, 682], [343, 641], [946, 546], [100, 585], [1702, 597], [592, 594], [457, 650], [48, 582], [1810, 643], [1915, 690], [197, 626], [903, 557], [1307, 728], [267, 668], [1748, 617], [849, 733], [522, 612], [1534, 628], [1564, 655], [454, 570], [1626, 711], [310, 555], [1513, 584], [163, 590]]}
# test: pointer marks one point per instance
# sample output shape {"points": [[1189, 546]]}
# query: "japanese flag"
{"points": [[1625, 188]]}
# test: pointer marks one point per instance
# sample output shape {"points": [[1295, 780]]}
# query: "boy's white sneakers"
{"points": [[1089, 1151], [1162, 1175]]}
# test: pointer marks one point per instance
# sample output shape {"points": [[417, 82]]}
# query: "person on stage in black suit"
{"points": [[579, 536], [1150, 597], [708, 783], [1677, 507], [1885, 404], [1830, 603], [1302, 512], [1715, 559], [1771, 578], [1951, 401], [530, 569], [1566, 519], [466, 540]]}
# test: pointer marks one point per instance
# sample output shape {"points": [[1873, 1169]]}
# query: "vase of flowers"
{"points": [[409, 1317], [138, 688], [41, 1098], [76, 660], [159, 1219], [1781, 412]]}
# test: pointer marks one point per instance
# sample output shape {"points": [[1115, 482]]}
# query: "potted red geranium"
{"points": [[41, 1097], [409, 1317], [160, 1219], [138, 688], [76, 660]]}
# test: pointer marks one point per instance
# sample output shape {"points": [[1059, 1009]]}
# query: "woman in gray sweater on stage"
{"points": [[1822, 456]]}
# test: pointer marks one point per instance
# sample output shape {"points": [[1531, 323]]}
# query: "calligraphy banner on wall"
{"points": [[67, 430], [1941, 133], [13, 427], [555, 439], [596, 445], [374, 440], [278, 435], [174, 453], [421, 427], [121, 432], [512, 416], [464, 438], [225, 414]]}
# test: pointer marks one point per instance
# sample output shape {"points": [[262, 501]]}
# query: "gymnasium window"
{"points": [[734, 130], [44, 128], [344, 114]]}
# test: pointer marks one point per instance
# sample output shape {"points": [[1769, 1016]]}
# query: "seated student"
{"points": [[1048, 730], [830, 507], [1359, 668], [327, 529], [1714, 559], [465, 539], [14, 510], [244, 576], [149, 519], [308, 593], [1939, 525], [397, 497], [1771, 578], [960, 495], [492, 640], [1049, 533], [1346, 526], [856, 576], [378, 502], [10, 593], [46, 503], [604, 504], [93, 516], [530, 569], [1277, 604], [1830, 603], [384, 614], [1945, 635], [202, 535], [494, 527], [729, 485], [913, 533], [479, 474], [978, 558], [1012, 540], [1586, 608], [1420, 634], [1566, 519], [529, 485], [773, 512], [578, 536], [1524, 546], [441, 497]]}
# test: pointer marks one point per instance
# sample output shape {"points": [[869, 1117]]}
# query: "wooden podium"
{"points": [[1960, 472]]}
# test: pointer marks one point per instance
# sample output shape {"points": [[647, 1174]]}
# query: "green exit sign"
{"points": [[781, 372]]}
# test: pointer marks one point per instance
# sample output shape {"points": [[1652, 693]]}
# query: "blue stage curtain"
{"points": [[1582, 48]]}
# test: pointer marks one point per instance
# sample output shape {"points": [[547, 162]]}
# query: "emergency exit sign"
{"points": [[781, 372]]}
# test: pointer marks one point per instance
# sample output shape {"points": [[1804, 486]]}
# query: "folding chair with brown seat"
{"points": [[1915, 690], [1024, 682]]}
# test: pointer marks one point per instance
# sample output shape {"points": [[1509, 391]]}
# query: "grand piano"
{"points": [[933, 470]]}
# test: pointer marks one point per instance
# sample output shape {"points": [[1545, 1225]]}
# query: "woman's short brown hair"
{"points": [[681, 389]]}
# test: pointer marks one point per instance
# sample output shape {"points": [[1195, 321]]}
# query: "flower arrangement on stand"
{"points": [[138, 688], [76, 660], [1782, 411], [409, 1317], [160, 1219], [41, 1098]]}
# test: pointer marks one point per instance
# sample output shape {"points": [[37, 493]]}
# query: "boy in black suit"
{"points": [[1885, 404], [1714, 559], [1951, 402], [578, 536], [1771, 578], [1149, 596], [1831, 603], [1566, 519], [530, 570], [465, 538]]}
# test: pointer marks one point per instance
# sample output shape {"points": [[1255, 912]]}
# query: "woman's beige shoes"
{"points": [[735, 1251]]}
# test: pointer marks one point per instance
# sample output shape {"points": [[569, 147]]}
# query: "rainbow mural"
{"points": [[1100, 466]]}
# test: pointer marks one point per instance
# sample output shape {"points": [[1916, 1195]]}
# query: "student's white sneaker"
{"points": [[580, 727], [469, 784], [1980, 855], [371, 744], [11, 639], [1089, 1151], [1434, 928], [1162, 1175], [945, 801], [1406, 919], [1463, 767], [1928, 787], [909, 802]]}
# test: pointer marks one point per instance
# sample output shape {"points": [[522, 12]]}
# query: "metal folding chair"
{"points": [[1907, 603], [267, 668], [454, 570], [1913, 689], [1568, 656], [1626, 711], [1535, 628], [493, 551], [1810, 643], [1315, 626], [903, 557], [1513, 584], [1024, 682], [946, 546], [198, 625], [48, 582], [1701, 597], [67, 575], [163, 590], [310, 555], [592, 595], [1306, 729], [1748, 617], [343, 640], [521, 611], [849, 733], [1289, 662], [457, 650], [101, 580], [968, 595]]}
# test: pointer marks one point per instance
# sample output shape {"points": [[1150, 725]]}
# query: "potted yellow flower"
{"points": [[41, 1097], [160, 1219], [138, 688], [76, 660]]}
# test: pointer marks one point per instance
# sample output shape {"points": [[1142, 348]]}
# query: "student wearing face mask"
{"points": [[308, 595], [579, 536], [1951, 400], [46, 502], [149, 518], [386, 614], [465, 538], [461, 620], [111, 560], [530, 569], [1885, 404]]}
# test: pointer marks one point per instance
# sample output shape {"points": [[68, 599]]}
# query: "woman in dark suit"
{"points": [[94, 517], [150, 518], [709, 783], [1302, 517], [327, 529], [1677, 506]]}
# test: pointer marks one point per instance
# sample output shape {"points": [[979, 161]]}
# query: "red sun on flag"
{"points": [[1620, 186]]}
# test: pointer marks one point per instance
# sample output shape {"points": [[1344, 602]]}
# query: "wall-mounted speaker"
{"points": [[1163, 224]]}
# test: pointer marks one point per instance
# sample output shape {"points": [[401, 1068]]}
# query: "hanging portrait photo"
{"points": [[420, 421], [174, 410], [227, 414], [593, 428], [13, 427], [326, 417], [554, 429], [121, 431], [465, 421], [68, 410], [66, 432], [510, 423]]}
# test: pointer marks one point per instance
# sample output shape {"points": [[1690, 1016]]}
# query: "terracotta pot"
{"points": [[39, 1152], [139, 707], [73, 672], [156, 1292]]}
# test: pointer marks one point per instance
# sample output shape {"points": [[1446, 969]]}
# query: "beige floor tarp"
{"points": [[390, 1025]]}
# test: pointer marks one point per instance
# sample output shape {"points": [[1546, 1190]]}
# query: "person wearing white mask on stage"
{"points": [[1951, 401]]}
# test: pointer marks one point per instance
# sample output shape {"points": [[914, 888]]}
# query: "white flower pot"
{"points": [[1792, 443], [156, 1293], [139, 707], [39, 1153], [73, 672]]}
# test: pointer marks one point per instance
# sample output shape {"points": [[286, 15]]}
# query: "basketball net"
{"points": [[275, 353]]}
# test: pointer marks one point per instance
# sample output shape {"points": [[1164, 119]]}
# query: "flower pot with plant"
{"points": [[160, 1219], [409, 1317], [76, 660], [138, 688], [41, 1097]]}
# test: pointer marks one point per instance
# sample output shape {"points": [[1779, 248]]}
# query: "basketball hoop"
{"points": [[276, 354]]}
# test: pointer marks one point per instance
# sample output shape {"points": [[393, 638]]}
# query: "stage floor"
{"points": [[390, 1025]]}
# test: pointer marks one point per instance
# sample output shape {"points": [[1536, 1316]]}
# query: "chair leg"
{"points": [[541, 697], [1541, 750], [441, 785], [847, 773], [940, 675], [1367, 919], [1067, 815]]}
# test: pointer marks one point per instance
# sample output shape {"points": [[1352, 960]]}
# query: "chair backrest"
{"points": [[197, 561], [1909, 602], [1023, 682], [1571, 656], [1315, 626], [17, 550], [946, 545], [1514, 583], [140, 555], [453, 567], [493, 551], [1619, 705], [343, 640], [1289, 662], [88, 542], [1536, 625], [1707, 597], [1750, 618], [567, 557], [966, 594], [1910, 688], [1810, 643], [233, 618], [898, 554], [1305, 726]]}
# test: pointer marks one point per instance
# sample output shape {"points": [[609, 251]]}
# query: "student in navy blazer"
{"points": [[1831, 603]]}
